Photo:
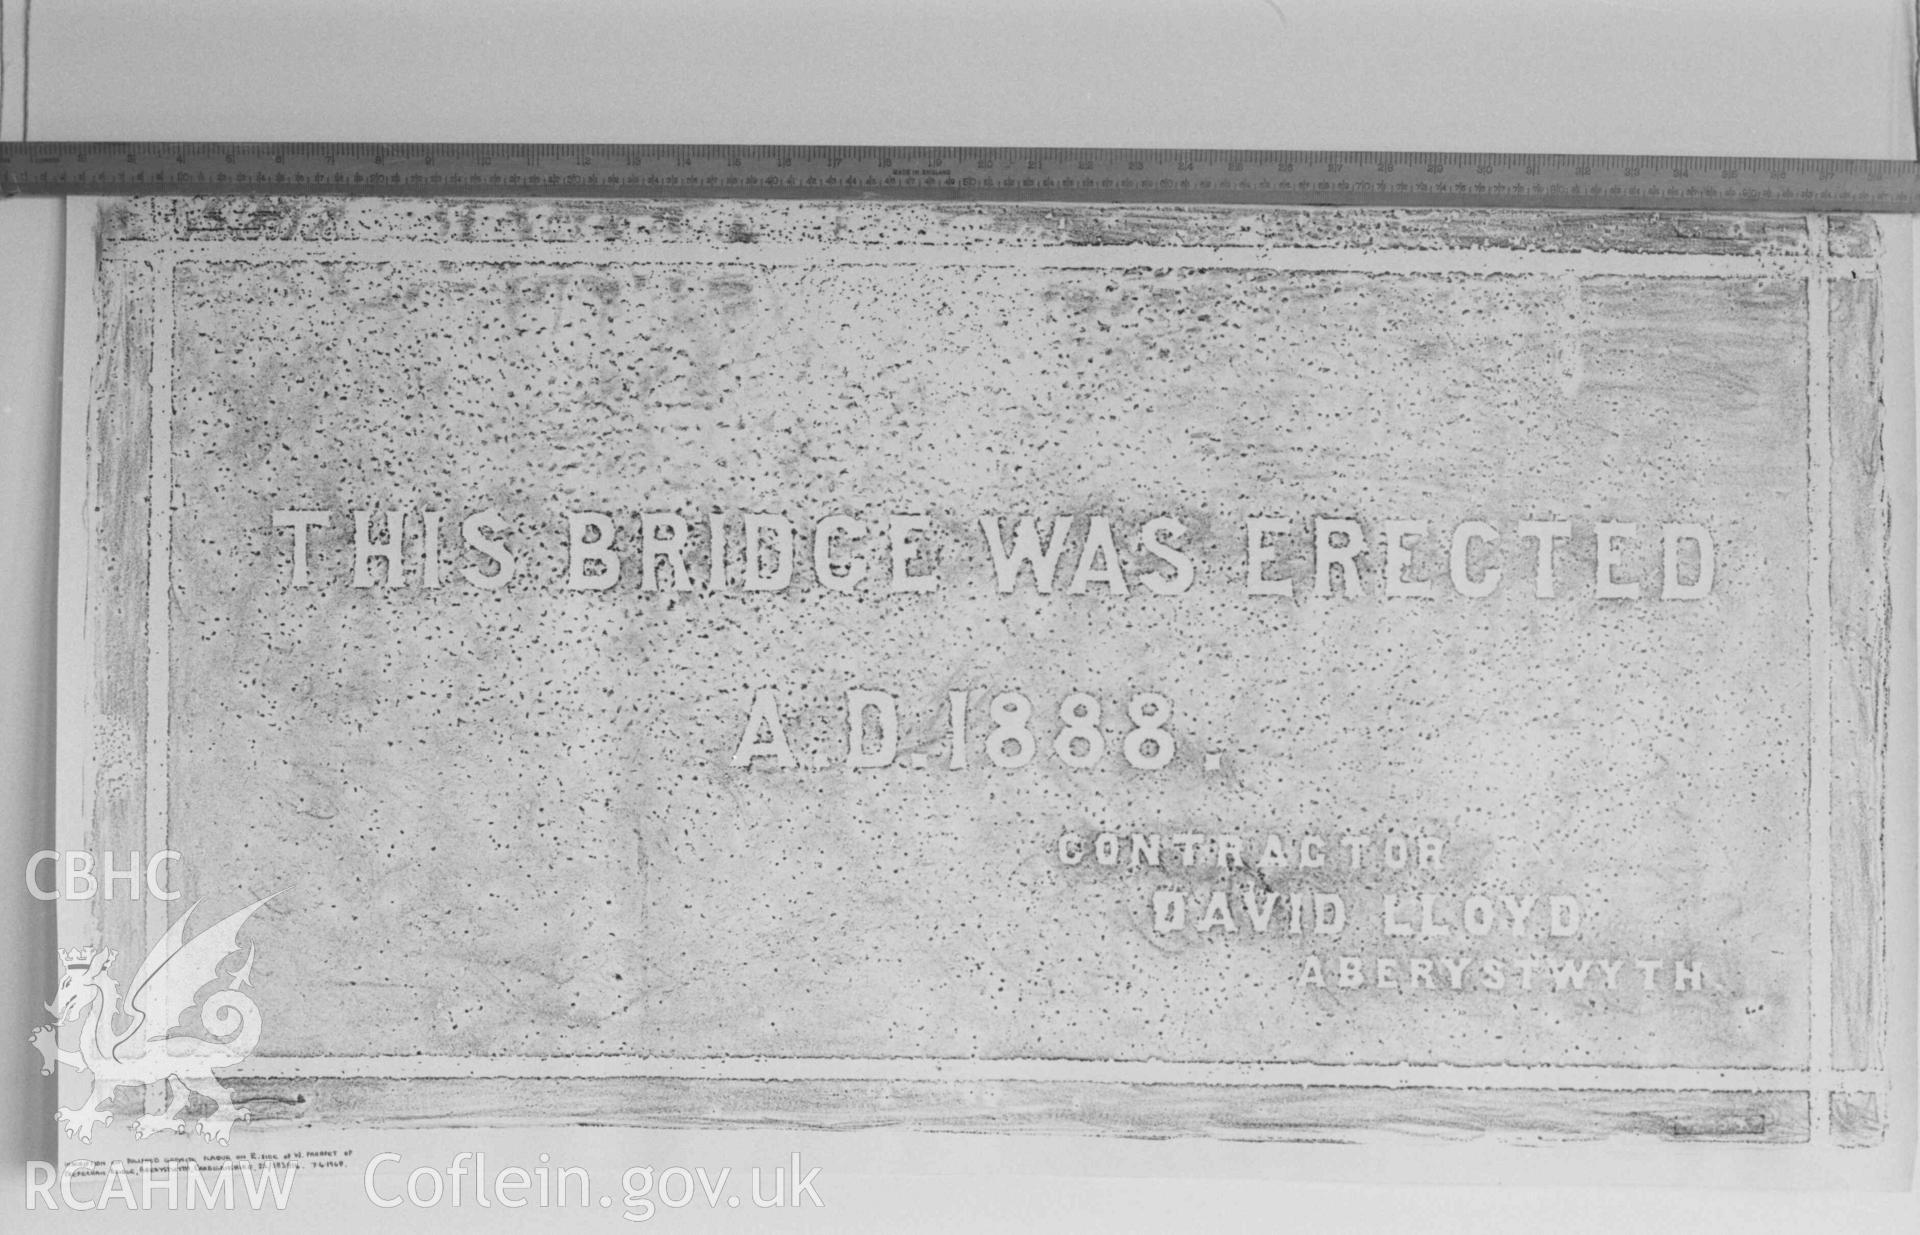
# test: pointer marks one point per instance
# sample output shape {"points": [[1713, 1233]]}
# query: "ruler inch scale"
{"points": [[962, 173]]}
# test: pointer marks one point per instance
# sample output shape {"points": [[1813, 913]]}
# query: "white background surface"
{"points": [[1813, 78], [1757, 77]]}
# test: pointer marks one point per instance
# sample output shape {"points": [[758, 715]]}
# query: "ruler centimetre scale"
{"points": [[962, 173]]}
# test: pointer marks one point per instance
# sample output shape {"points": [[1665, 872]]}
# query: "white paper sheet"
{"points": [[1489, 818]]}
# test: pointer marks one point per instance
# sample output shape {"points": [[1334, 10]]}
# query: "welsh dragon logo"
{"points": [[147, 1049]]}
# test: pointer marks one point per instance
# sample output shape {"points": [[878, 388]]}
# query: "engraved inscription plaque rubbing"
{"points": [[1258, 673]]}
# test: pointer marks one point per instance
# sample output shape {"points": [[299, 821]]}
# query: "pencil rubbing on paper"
{"points": [[1134, 670]]}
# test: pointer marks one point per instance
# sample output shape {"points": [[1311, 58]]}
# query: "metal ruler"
{"points": [[964, 173]]}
